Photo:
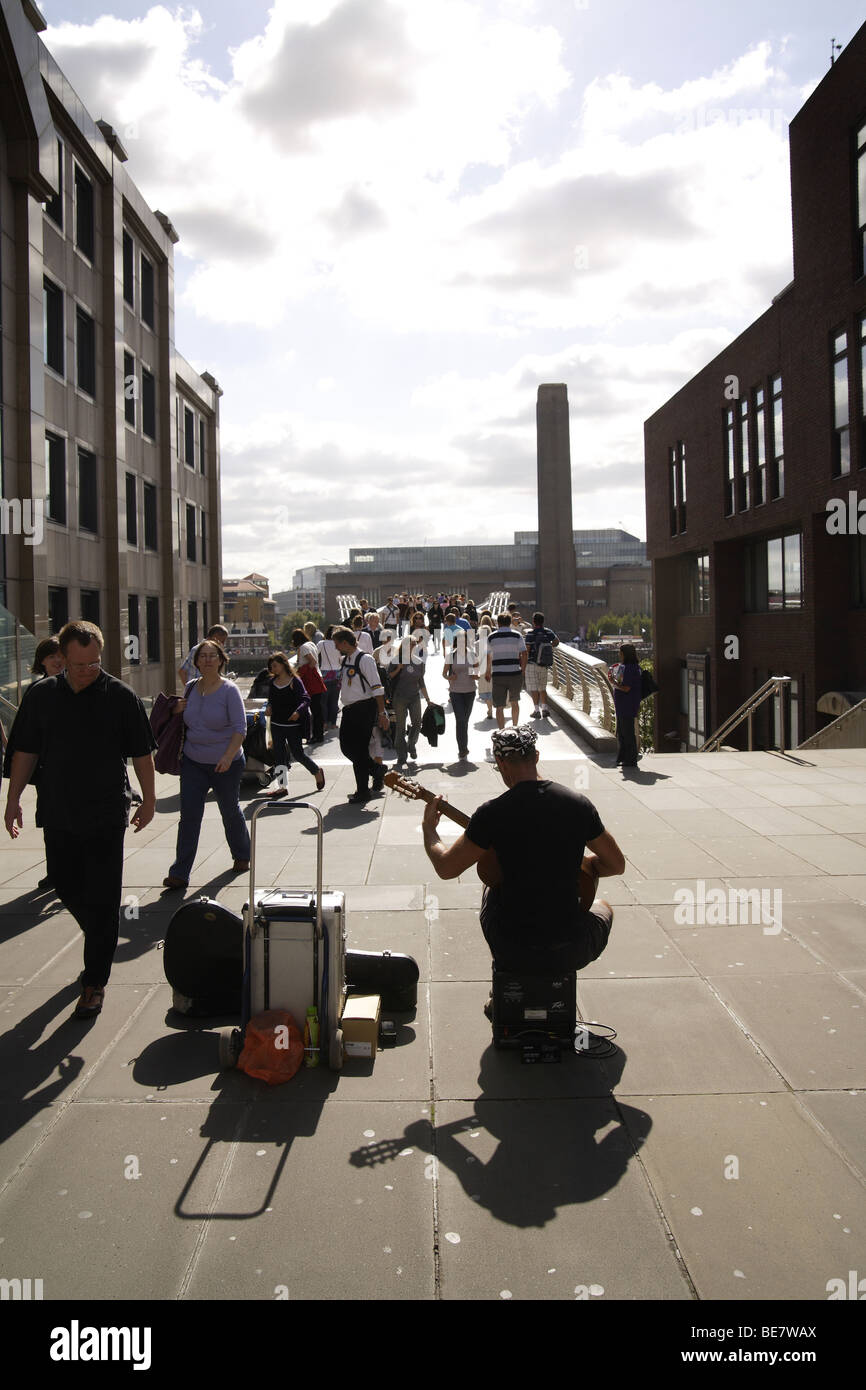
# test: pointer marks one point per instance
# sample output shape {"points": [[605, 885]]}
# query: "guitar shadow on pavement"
{"points": [[550, 1153]]}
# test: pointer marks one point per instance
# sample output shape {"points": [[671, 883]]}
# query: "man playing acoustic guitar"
{"points": [[536, 918]]}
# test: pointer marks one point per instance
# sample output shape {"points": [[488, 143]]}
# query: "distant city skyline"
{"points": [[396, 221]]}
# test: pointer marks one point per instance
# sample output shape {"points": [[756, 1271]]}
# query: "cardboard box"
{"points": [[360, 1025]]}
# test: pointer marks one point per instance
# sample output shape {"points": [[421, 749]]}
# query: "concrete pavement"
{"points": [[718, 1153]]}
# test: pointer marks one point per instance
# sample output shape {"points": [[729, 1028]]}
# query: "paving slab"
{"points": [[809, 1026], [92, 1213], [678, 1037], [299, 1171], [534, 1198], [759, 1207], [835, 932]]}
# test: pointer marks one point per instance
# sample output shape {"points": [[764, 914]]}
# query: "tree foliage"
{"points": [[612, 624], [298, 619]]}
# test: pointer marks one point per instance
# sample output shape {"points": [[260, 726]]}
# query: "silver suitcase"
{"points": [[294, 953]]}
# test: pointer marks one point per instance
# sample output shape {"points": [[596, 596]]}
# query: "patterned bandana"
{"points": [[514, 743]]}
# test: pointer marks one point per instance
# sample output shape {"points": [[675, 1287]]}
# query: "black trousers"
{"points": [[626, 741], [87, 871], [356, 727], [583, 939]]}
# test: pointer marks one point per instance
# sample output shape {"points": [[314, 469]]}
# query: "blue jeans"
{"points": [[196, 780], [461, 703]]}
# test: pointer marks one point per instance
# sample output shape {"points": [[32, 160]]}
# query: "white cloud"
{"points": [[374, 159]]}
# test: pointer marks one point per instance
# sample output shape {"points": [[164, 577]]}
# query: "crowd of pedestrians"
{"points": [[77, 727]]}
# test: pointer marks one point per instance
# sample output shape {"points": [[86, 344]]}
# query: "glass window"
{"points": [[55, 478], [201, 442], [147, 291], [203, 534], [130, 388], [151, 609], [150, 528], [697, 706], [85, 234], [148, 403], [188, 437], [128, 269], [777, 449], [90, 605], [54, 328], [85, 352], [745, 461], [775, 575], [54, 206], [861, 195], [730, 464], [192, 619], [760, 449], [793, 571], [190, 532], [863, 392], [841, 418], [58, 608], [131, 510], [87, 491], [699, 583], [134, 629]]}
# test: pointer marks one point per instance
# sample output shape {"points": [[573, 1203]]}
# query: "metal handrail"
{"points": [[746, 710], [580, 678]]}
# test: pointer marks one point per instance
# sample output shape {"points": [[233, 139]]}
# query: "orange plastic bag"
{"points": [[273, 1047]]}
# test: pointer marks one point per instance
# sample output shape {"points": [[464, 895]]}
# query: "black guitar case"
{"points": [[203, 959]]}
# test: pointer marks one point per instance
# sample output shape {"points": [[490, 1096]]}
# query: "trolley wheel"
{"points": [[335, 1053], [230, 1046]]}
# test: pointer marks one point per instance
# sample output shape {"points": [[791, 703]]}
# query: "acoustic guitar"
{"points": [[488, 866]]}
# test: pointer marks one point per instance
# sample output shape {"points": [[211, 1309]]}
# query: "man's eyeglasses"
{"points": [[84, 665]]}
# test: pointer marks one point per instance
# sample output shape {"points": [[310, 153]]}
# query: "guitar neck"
{"points": [[450, 811]]}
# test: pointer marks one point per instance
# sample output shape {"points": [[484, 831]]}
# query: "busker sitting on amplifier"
{"points": [[529, 845]]}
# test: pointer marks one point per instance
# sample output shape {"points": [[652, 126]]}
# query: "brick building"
{"points": [[750, 467]]}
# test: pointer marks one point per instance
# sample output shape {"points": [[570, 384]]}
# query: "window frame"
{"points": [[84, 215], [84, 318], [88, 491], [54, 294]]}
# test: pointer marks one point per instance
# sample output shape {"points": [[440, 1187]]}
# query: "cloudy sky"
{"points": [[399, 217]]}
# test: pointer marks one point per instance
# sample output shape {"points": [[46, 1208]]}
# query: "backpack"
{"points": [[353, 668], [647, 685], [543, 651]]}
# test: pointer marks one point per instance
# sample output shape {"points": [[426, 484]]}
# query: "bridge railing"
{"points": [[581, 679]]}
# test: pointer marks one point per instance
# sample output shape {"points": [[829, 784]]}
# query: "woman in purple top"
{"points": [[215, 727], [626, 699]]}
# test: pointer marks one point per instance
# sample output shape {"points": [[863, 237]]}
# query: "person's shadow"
{"points": [[550, 1160]]}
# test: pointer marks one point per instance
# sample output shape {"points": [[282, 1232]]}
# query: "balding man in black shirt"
{"points": [[82, 726]]}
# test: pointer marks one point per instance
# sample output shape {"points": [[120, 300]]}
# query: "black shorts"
{"points": [[582, 941]]}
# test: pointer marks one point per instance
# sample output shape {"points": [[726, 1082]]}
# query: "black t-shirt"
{"points": [[539, 831], [82, 741]]}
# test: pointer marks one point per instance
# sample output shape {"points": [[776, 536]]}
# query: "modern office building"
{"points": [[108, 435], [756, 469], [612, 572]]}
